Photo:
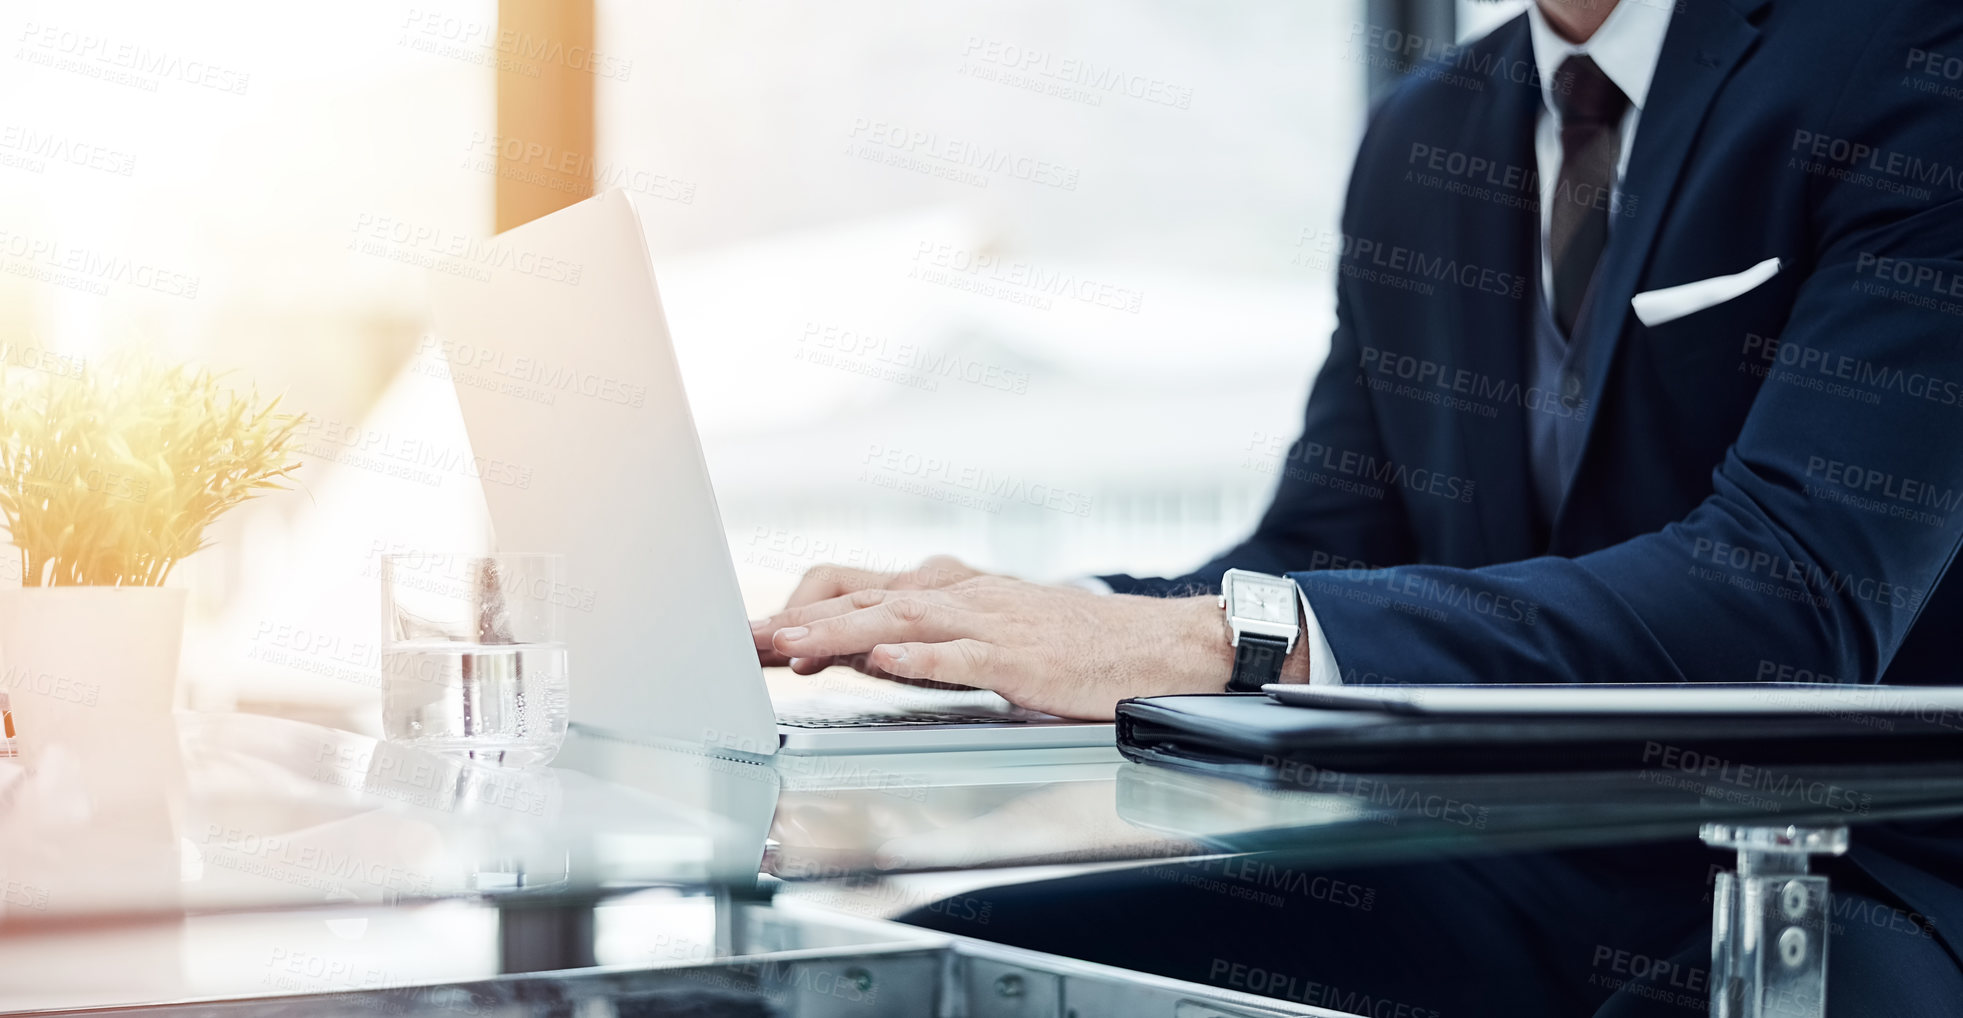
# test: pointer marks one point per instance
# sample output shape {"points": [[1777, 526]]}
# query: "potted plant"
{"points": [[109, 476]]}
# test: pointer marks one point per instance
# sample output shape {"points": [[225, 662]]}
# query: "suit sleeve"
{"points": [[1309, 524], [1760, 570]]}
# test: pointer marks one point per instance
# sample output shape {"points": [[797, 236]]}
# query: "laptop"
{"points": [[573, 400], [1658, 699], [1303, 737]]}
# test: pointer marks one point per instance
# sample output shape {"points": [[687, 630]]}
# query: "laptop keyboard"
{"points": [[807, 718]]}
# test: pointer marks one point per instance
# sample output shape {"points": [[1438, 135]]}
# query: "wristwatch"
{"points": [[1263, 621]]}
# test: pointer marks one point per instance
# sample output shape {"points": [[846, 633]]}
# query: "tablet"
{"points": [[1676, 699]]}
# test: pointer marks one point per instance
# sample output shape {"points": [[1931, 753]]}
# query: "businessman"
{"points": [[1654, 486], [1648, 367]]}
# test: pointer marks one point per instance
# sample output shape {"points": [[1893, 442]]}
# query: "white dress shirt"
{"points": [[1626, 48]]}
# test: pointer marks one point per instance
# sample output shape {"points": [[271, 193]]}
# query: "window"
{"points": [[1038, 284]]}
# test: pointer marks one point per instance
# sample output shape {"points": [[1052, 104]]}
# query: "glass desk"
{"points": [[251, 864]]}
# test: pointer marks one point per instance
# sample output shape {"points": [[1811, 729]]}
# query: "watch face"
{"points": [[1264, 601]]}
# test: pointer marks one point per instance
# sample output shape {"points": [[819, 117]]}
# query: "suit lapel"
{"points": [[1494, 335], [1707, 38]]}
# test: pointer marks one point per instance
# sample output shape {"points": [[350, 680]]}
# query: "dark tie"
{"points": [[1591, 109]]}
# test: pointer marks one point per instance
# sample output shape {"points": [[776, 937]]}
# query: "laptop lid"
{"points": [[1745, 699], [556, 342]]}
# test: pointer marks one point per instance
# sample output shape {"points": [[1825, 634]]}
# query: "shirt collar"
{"points": [[1626, 47]]}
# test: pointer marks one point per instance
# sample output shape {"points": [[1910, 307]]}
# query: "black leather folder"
{"points": [[1252, 736]]}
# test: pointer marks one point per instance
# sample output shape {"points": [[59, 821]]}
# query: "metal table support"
{"points": [[545, 936], [1769, 922]]}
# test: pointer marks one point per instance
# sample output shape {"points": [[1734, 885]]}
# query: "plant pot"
{"points": [[89, 668]]}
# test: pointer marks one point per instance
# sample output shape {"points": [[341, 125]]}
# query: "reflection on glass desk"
{"points": [[244, 811], [236, 822]]}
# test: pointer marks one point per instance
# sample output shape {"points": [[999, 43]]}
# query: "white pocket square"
{"points": [[1674, 302]]}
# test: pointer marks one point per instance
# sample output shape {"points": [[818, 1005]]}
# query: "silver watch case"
{"points": [[1236, 625]]}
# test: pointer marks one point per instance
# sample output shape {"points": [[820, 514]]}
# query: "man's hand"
{"points": [[825, 582], [1054, 649]]}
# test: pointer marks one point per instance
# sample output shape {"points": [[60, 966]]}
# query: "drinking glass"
{"points": [[474, 654]]}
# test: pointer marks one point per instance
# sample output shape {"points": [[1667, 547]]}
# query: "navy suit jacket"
{"points": [[1770, 488]]}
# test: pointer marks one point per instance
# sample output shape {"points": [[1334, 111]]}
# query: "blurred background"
{"points": [[1030, 283]]}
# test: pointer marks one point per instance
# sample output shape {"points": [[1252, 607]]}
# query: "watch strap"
{"points": [[1257, 662]]}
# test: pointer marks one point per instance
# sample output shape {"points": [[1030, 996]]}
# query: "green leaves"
{"points": [[110, 476]]}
